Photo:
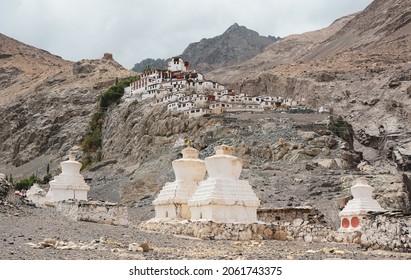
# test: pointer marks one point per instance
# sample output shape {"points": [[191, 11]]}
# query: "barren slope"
{"points": [[45, 101], [359, 66]]}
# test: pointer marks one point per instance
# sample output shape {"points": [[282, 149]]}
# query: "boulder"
{"points": [[328, 163]]}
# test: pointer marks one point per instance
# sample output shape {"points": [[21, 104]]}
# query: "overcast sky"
{"points": [[135, 29]]}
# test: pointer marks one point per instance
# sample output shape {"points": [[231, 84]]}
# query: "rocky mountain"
{"points": [[235, 45], [153, 63], [46, 102], [359, 66]]}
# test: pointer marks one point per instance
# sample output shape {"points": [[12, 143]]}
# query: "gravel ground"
{"points": [[23, 228]]}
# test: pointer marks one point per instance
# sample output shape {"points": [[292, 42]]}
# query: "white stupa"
{"points": [[36, 195], [359, 206], [172, 200], [69, 184], [223, 197]]}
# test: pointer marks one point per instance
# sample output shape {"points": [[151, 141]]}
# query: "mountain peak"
{"points": [[236, 44], [236, 28]]}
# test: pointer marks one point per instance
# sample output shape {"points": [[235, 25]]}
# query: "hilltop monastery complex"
{"points": [[186, 90]]}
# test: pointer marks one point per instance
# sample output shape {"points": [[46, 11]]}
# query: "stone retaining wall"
{"points": [[308, 231], [292, 223], [94, 211], [388, 231], [212, 230], [289, 214], [298, 229]]}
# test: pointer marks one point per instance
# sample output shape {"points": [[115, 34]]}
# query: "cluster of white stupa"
{"points": [[222, 197]]}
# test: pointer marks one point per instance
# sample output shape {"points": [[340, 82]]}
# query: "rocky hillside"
{"points": [[235, 45], [46, 102], [289, 159], [359, 66]]}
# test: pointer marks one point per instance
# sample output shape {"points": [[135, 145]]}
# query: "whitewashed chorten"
{"points": [[36, 195], [172, 200], [359, 206], [223, 197], [69, 184]]}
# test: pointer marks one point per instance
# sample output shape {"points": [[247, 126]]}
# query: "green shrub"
{"points": [[26, 183], [86, 161], [111, 96], [92, 140], [47, 178], [91, 143]]}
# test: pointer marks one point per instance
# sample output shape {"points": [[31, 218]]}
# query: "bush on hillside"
{"points": [[26, 183]]}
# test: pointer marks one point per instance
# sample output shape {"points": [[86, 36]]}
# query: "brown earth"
{"points": [[83, 240], [46, 102]]}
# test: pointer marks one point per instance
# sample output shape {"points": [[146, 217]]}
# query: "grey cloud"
{"points": [[134, 30]]}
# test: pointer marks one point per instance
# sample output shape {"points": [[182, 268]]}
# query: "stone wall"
{"points": [[289, 214], [292, 223], [303, 223], [94, 211], [299, 230], [388, 231], [212, 230]]}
